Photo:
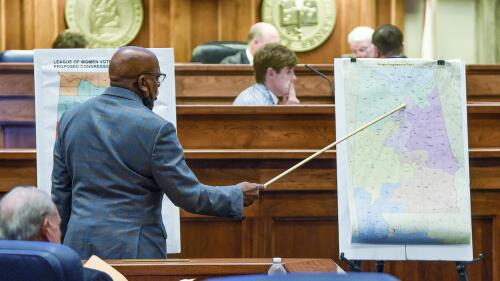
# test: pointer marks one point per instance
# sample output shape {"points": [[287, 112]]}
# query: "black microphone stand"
{"points": [[323, 76]]}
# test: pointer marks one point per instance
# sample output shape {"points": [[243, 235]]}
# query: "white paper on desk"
{"points": [[98, 264], [58, 74], [366, 89]]}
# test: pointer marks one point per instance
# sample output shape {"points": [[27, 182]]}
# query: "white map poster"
{"points": [[67, 77], [403, 183]]}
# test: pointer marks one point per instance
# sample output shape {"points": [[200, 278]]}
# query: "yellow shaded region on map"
{"points": [[69, 81]]}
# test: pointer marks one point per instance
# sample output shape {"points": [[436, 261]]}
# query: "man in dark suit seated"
{"points": [[27, 213], [388, 41], [114, 159], [260, 34]]}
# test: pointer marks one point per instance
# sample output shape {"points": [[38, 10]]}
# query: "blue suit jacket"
{"points": [[113, 161]]}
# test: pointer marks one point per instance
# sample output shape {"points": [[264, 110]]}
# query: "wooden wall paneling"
{"points": [[2, 25], [319, 174], [254, 236], [341, 27], [484, 126], [206, 237], [234, 19], [314, 212], [398, 17], [383, 12], [180, 14], [19, 110], [484, 172], [306, 236], [47, 19], [13, 18], [160, 24], [17, 80], [230, 129], [28, 33], [482, 235], [61, 20], [351, 14], [391, 11], [485, 206], [19, 136], [482, 83], [144, 37], [368, 13], [17, 167], [205, 21]]}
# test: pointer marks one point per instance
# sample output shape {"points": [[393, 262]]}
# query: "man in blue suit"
{"points": [[113, 161]]}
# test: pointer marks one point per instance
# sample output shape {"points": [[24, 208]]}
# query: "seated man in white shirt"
{"points": [[275, 78]]}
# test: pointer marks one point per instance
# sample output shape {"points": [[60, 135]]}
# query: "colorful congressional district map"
{"points": [[78, 87], [407, 175]]}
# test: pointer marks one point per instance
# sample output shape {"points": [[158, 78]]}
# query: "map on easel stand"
{"points": [[403, 183]]}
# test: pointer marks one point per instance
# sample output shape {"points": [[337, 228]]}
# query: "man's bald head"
{"points": [[128, 63], [260, 34], [138, 70]]}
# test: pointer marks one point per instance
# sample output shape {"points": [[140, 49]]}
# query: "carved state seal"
{"points": [[105, 23], [302, 24]]}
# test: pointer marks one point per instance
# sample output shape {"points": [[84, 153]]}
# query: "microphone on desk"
{"points": [[323, 76]]}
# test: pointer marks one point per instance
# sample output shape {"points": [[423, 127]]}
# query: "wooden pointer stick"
{"points": [[332, 145]]}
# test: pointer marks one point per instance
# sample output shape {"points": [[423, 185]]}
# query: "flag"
{"points": [[429, 30]]}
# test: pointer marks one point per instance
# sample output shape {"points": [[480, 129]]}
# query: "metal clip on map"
{"points": [[462, 270], [440, 62], [353, 60]]}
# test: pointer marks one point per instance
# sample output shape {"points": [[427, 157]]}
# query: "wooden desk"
{"points": [[220, 84], [206, 268]]}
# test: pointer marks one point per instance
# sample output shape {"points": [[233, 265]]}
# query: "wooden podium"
{"points": [[177, 269]]}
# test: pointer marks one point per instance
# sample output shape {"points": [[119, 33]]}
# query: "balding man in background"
{"points": [[27, 213], [114, 158], [360, 42], [260, 34]]}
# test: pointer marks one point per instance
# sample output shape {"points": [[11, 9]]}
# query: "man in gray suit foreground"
{"points": [[113, 161]]}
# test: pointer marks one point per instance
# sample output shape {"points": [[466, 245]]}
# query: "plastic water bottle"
{"points": [[276, 268]]}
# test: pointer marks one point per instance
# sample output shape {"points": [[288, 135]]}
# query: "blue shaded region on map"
{"points": [[372, 226], [85, 91]]}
